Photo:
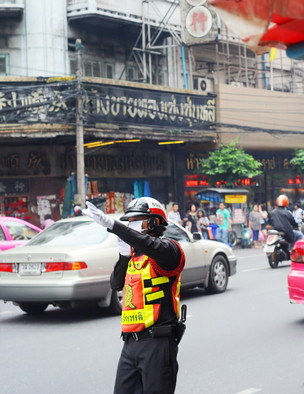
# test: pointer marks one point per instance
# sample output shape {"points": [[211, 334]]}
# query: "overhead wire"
{"points": [[211, 126]]}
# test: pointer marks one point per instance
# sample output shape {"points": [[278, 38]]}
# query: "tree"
{"points": [[229, 163], [298, 159]]}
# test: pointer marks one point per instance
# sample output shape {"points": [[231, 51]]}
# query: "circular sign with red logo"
{"points": [[199, 21], [196, 2]]}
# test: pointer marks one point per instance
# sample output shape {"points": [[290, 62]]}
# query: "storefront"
{"points": [[132, 134], [278, 177]]}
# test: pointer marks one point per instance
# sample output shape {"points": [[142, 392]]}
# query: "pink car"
{"points": [[15, 232], [296, 274]]}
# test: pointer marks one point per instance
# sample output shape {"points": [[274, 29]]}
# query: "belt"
{"points": [[137, 336]]}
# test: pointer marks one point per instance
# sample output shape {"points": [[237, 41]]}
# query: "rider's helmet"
{"points": [[282, 201], [147, 206]]}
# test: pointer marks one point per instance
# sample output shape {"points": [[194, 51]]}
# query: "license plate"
{"points": [[30, 269], [268, 248]]}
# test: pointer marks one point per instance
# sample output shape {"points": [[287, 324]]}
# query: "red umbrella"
{"points": [[263, 24]]}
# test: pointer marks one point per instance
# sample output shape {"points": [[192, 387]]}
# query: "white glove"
{"points": [[124, 248], [99, 216]]}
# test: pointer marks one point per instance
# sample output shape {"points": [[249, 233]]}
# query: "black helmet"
{"points": [[145, 206]]}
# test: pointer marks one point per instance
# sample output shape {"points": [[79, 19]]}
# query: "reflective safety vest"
{"points": [[146, 292]]}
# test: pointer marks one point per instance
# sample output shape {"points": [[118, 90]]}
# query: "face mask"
{"points": [[137, 225]]}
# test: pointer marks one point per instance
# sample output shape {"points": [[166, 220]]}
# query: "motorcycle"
{"points": [[277, 248]]}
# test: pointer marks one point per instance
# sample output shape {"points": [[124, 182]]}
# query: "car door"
{"points": [[195, 270]]}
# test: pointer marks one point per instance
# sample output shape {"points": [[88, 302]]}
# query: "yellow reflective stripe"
{"points": [[160, 280], [155, 295]]}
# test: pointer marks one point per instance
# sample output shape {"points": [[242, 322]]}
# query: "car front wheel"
{"points": [[218, 275], [33, 308]]}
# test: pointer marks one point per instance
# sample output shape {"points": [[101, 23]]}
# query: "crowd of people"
{"points": [[197, 220]]}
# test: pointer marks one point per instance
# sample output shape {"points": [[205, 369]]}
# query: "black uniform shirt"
{"points": [[164, 251], [282, 220]]}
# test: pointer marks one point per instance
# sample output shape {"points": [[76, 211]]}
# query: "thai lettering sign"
{"points": [[41, 103], [106, 104], [112, 104]]}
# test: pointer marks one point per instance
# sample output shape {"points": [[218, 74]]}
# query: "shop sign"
{"points": [[20, 161], [235, 199], [14, 186], [106, 104], [273, 163], [121, 163], [132, 106], [199, 23]]}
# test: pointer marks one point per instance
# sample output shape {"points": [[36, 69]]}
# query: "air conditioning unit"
{"points": [[203, 84]]}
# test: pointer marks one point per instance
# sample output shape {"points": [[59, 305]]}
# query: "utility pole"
{"points": [[79, 128]]}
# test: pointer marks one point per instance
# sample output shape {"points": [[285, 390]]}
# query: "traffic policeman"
{"points": [[148, 271]]}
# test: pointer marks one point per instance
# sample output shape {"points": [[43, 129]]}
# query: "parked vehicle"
{"points": [[71, 262], [296, 274], [277, 248], [15, 232]]}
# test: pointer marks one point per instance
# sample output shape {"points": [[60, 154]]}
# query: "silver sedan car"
{"points": [[71, 263]]}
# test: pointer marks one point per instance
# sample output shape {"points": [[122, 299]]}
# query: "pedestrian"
{"points": [[202, 223], [223, 222], [264, 220], [255, 218], [174, 214], [47, 222], [191, 223], [298, 214], [148, 270]]}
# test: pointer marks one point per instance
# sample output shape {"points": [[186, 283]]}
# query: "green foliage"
{"points": [[298, 159], [230, 163]]}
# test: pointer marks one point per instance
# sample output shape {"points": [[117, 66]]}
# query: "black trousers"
{"points": [[148, 366]]}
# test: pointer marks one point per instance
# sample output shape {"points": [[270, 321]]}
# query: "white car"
{"points": [[71, 262]]}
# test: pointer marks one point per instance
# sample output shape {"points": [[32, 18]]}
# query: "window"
{"points": [[4, 64], [19, 231], [73, 66], [91, 68], [109, 70], [131, 73]]}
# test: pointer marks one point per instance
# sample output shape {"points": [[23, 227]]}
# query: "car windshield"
{"points": [[176, 233], [19, 231], [71, 233]]}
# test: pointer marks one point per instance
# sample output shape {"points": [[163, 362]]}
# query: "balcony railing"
{"points": [[11, 9], [155, 12]]}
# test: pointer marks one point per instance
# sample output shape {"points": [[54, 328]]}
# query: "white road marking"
{"points": [[249, 391]]}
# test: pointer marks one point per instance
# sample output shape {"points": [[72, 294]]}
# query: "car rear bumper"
{"points": [[296, 287], [54, 292]]}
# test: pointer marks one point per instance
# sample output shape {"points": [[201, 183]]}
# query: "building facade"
{"points": [[140, 82]]}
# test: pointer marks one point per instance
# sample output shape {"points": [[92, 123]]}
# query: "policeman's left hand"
{"points": [[98, 215]]}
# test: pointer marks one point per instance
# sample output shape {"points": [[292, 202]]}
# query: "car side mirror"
{"points": [[197, 236]]}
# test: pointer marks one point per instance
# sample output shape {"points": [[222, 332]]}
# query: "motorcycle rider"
{"points": [[281, 219], [148, 270]]}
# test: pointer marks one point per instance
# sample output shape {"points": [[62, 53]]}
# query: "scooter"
{"points": [[277, 248]]}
